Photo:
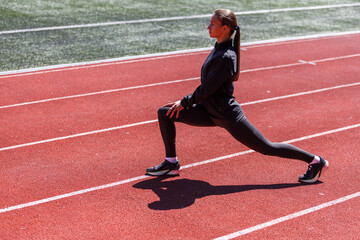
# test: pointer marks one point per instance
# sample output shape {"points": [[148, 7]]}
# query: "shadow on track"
{"points": [[182, 193]]}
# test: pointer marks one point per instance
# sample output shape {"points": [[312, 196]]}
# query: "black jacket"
{"points": [[216, 90]]}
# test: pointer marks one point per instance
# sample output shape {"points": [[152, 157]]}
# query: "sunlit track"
{"points": [[151, 57], [73, 161], [155, 120], [173, 82], [97, 188], [77, 135], [100, 92], [125, 60], [288, 217]]}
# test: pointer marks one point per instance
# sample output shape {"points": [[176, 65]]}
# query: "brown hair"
{"points": [[228, 18]]}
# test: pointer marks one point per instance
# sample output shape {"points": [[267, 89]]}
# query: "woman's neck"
{"points": [[221, 39]]}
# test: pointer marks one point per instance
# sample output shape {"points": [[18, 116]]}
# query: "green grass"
{"points": [[36, 49]]}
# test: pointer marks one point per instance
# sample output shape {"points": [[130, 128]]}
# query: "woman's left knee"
{"points": [[162, 112]]}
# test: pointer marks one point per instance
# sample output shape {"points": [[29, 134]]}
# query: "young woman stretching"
{"points": [[213, 104]]}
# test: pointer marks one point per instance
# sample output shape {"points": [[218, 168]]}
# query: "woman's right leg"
{"points": [[195, 116]]}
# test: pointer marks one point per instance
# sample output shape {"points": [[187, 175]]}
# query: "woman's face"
{"points": [[215, 28]]}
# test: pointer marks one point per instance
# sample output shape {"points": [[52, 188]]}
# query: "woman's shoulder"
{"points": [[228, 55]]}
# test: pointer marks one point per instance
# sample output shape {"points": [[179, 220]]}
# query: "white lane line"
{"points": [[77, 135], [301, 62], [67, 195], [174, 18], [87, 65], [155, 56], [301, 93], [288, 217], [71, 194], [306, 62], [292, 40], [155, 120], [100, 92]]}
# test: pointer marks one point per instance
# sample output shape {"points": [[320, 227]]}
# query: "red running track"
{"points": [[53, 182]]}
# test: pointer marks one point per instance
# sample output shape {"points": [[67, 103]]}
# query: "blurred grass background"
{"points": [[52, 47]]}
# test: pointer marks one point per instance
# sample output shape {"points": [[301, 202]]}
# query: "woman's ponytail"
{"points": [[236, 43]]}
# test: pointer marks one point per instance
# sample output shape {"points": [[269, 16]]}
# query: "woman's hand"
{"points": [[175, 108]]}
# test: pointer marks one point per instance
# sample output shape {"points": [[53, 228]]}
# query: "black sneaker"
{"points": [[164, 168], [314, 171]]}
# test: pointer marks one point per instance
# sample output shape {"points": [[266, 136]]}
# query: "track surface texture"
{"points": [[75, 143]]}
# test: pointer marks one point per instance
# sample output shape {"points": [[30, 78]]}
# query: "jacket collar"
{"points": [[223, 45]]}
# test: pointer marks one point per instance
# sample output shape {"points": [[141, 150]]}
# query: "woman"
{"points": [[213, 104]]}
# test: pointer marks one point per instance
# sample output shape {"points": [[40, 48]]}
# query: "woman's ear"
{"points": [[225, 28]]}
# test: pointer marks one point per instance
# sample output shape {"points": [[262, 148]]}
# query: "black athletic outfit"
{"points": [[213, 104]]}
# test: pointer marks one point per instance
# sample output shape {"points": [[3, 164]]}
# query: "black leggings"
{"points": [[241, 129]]}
